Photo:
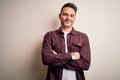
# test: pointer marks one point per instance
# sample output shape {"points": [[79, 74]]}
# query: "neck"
{"points": [[66, 29]]}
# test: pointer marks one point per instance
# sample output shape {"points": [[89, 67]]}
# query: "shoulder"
{"points": [[51, 33]]}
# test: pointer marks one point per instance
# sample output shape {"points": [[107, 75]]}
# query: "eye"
{"points": [[65, 14], [72, 15]]}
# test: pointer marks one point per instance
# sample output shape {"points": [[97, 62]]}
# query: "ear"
{"points": [[60, 16]]}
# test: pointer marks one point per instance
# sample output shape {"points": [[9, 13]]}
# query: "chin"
{"points": [[67, 25]]}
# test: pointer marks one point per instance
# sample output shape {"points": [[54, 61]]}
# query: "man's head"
{"points": [[68, 14]]}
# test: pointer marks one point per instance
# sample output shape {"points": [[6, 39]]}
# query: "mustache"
{"points": [[67, 20]]}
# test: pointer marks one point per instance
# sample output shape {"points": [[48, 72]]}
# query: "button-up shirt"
{"points": [[76, 42]]}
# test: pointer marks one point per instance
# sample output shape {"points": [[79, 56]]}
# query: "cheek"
{"points": [[73, 19], [62, 18]]}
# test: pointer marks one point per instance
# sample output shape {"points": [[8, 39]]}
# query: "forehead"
{"points": [[68, 10]]}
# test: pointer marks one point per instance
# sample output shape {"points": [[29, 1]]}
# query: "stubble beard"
{"points": [[66, 25]]}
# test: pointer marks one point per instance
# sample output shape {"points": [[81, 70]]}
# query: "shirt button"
{"points": [[58, 63], [79, 44]]}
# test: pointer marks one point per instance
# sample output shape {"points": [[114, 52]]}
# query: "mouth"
{"points": [[67, 21]]}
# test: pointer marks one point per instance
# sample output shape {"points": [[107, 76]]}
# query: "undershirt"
{"points": [[68, 74]]}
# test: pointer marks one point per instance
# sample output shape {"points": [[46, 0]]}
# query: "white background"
{"points": [[23, 23]]}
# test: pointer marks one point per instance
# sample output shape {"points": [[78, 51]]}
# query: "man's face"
{"points": [[67, 17]]}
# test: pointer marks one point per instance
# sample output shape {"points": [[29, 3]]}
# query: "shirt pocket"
{"points": [[76, 46]]}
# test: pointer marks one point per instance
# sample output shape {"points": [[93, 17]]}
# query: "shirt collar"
{"points": [[72, 31]]}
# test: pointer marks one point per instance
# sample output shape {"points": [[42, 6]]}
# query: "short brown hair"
{"points": [[71, 5]]}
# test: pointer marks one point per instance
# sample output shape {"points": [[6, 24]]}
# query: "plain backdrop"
{"points": [[23, 23]]}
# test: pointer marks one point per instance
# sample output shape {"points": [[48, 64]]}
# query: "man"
{"points": [[65, 50]]}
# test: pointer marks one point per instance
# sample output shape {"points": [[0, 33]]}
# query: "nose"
{"points": [[68, 17]]}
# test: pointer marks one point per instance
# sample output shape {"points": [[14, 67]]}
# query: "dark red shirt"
{"points": [[76, 42]]}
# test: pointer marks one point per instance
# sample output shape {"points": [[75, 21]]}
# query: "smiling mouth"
{"points": [[67, 21]]}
